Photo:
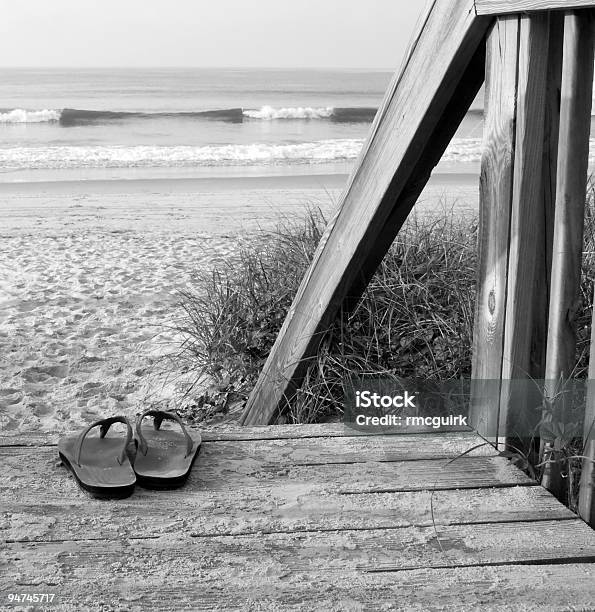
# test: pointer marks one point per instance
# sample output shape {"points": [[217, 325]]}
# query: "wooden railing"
{"points": [[536, 58]]}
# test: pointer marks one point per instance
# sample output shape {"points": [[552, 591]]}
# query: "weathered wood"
{"points": [[586, 503], [413, 109], [522, 302], [336, 449], [501, 7], [544, 230], [278, 554], [255, 529], [573, 157], [237, 432], [512, 207], [495, 186], [281, 506], [490, 589], [452, 116], [216, 472]]}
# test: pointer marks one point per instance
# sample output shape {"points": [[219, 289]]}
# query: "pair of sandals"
{"points": [[101, 465]]}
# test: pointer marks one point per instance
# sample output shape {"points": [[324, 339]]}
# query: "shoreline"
{"points": [[208, 206], [218, 182]]}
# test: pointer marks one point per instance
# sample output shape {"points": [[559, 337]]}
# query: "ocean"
{"points": [[188, 123]]}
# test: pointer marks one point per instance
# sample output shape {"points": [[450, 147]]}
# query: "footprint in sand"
{"points": [[88, 363], [90, 389], [37, 374], [28, 306], [39, 409], [9, 397]]}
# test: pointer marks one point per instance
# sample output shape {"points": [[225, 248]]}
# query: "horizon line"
{"points": [[174, 67]]}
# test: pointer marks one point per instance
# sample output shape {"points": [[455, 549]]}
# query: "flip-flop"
{"points": [[164, 457], [100, 465]]}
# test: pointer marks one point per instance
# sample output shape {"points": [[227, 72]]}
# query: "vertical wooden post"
{"points": [[495, 188], [545, 230], [512, 207], [586, 500], [573, 158], [526, 216]]}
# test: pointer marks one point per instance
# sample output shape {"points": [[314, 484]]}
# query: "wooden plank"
{"points": [[344, 449], [453, 114], [279, 554], [316, 451], [501, 7], [412, 111], [573, 157], [527, 211], [545, 221], [529, 588], [512, 207], [586, 503], [237, 432], [495, 186], [29, 477], [279, 506]]}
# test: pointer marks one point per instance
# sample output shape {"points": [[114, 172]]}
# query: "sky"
{"points": [[366, 34]]}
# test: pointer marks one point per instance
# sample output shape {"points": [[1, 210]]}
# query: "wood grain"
{"points": [[255, 528], [573, 158], [544, 229], [512, 208], [413, 108], [501, 7], [495, 188], [239, 433], [233, 558], [490, 589], [522, 302], [214, 472], [278, 507]]}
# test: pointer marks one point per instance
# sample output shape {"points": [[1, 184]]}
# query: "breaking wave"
{"points": [[20, 115], [68, 117], [142, 156], [340, 115], [56, 157]]}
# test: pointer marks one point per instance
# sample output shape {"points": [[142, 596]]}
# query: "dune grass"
{"points": [[415, 319]]}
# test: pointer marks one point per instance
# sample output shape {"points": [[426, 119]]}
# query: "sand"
{"points": [[89, 280]]}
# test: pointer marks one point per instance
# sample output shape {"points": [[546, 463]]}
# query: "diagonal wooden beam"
{"points": [[421, 110], [502, 7]]}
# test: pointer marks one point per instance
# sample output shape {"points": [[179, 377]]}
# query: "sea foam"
{"points": [[69, 117], [20, 115], [268, 113], [143, 156], [461, 150]]}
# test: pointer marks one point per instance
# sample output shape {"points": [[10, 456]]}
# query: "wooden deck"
{"points": [[298, 517]]}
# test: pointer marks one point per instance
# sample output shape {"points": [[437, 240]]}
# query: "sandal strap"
{"points": [[104, 425], [158, 417]]}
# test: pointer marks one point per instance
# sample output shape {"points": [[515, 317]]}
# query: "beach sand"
{"points": [[90, 273]]}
